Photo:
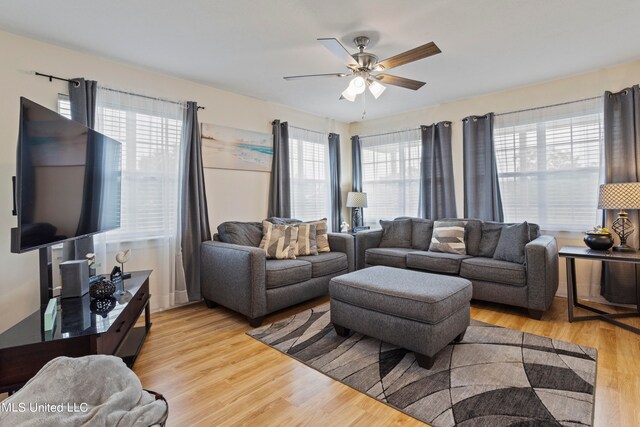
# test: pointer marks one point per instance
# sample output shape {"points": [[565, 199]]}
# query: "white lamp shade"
{"points": [[356, 200], [376, 89], [357, 85], [624, 195], [349, 94]]}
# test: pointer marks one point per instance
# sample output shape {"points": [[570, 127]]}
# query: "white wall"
{"points": [[238, 195], [552, 92]]}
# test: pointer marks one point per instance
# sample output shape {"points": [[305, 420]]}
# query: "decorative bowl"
{"points": [[598, 241], [103, 289]]}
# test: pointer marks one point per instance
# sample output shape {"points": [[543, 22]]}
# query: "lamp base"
{"points": [[623, 248]]}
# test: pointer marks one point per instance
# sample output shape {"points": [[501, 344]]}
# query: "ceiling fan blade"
{"points": [[412, 55], [400, 81], [315, 75], [338, 50]]}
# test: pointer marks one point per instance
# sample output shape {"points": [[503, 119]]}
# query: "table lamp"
{"points": [[356, 201], [621, 196]]}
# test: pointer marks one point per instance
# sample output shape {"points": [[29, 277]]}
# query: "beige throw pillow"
{"points": [[448, 236], [306, 243], [279, 241], [322, 234]]}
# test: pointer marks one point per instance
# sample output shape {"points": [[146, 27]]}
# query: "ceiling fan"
{"points": [[362, 66]]}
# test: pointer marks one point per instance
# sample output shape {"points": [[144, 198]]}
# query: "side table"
{"points": [[573, 252]]}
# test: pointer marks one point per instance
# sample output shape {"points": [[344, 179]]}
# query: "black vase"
{"points": [[599, 242]]}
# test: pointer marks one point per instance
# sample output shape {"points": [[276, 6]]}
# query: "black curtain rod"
{"points": [[51, 78], [77, 83]]}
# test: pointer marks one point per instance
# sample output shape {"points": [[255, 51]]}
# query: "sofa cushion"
{"points": [[322, 234], [306, 243], [473, 236], [493, 270], [391, 257], [240, 233], [448, 236], [421, 231], [490, 237], [437, 262], [396, 233], [279, 241], [283, 272], [513, 239], [283, 221], [327, 263]]}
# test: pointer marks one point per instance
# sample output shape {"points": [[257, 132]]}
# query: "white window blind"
{"points": [[64, 106], [549, 164], [391, 175], [309, 167], [150, 133]]}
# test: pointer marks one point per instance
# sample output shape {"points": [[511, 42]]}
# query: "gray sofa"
{"points": [[531, 284], [240, 277]]}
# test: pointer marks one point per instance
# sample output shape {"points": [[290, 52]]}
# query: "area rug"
{"points": [[494, 377]]}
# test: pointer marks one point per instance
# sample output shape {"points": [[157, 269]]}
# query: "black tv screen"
{"points": [[67, 180]]}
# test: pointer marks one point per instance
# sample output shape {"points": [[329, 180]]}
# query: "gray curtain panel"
{"points": [[83, 101], [437, 192], [194, 214], [356, 164], [622, 164], [334, 168], [481, 189], [280, 184]]}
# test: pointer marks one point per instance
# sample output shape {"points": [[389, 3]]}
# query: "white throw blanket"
{"points": [[86, 391]]}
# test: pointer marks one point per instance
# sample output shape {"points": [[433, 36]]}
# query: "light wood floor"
{"points": [[213, 374]]}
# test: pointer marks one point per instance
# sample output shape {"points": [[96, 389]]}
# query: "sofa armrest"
{"points": [[366, 240], [542, 260], [342, 242], [234, 276]]}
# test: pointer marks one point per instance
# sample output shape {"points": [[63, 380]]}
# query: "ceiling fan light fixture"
{"points": [[376, 88]]}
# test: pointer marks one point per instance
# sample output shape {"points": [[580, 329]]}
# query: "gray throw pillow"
{"points": [[421, 232], [490, 236], [396, 233], [241, 233], [283, 221], [448, 236], [513, 239]]}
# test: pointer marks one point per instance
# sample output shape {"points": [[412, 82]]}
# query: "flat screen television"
{"points": [[68, 179]]}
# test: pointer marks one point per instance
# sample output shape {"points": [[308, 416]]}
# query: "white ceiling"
{"points": [[247, 46]]}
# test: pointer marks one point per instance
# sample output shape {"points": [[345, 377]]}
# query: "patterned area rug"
{"points": [[495, 377]]}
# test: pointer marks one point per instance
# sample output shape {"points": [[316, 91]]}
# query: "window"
{"points": [[64, 106], [150, 132], [309, 167], [549, 164], [391, 175]]}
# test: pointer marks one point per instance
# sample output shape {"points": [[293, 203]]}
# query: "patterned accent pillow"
{"points": [[279, 241], [448, 236], [306, 243], [322, 234]]}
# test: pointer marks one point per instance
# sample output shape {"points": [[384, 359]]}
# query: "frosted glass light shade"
{"points": [[348, 94], [358, 85], [376, 89]]}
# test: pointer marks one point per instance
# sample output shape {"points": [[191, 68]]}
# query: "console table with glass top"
{"points": [[81, 328], [573, 252]]}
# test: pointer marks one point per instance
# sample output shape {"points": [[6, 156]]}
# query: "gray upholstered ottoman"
{"points": [[421, 312]]}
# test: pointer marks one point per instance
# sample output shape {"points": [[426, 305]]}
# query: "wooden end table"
{"points": [[573, 252]]}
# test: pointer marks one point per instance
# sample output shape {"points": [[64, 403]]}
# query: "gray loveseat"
{"points": [[239, 276], [531, 284]]}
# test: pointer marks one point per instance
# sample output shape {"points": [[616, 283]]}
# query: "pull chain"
{"points": [[364, 104]]}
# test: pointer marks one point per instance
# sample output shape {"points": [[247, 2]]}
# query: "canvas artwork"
{"points": [[229, 148]]}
